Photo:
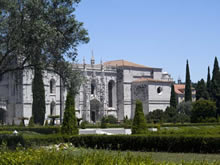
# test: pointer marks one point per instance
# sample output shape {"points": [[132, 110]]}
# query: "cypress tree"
{"points": [[208, 84], [139, 125], [69, 125], [215, 85], [188, 91], [38, 106], [173, 101], [201, 91], [215, 73]]}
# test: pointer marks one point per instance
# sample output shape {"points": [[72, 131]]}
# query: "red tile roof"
{"points": [[179, 88], [124, 63], [150, 80]]}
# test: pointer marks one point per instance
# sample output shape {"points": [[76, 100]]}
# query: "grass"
{"points": [[80, 156]]}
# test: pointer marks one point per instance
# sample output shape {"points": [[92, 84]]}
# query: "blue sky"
{"points": [[155, 33]]}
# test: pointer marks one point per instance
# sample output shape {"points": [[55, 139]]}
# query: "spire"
{"points": [[101, 64], [92, 59]]}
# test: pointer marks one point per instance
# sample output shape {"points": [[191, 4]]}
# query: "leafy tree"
{"points": [[45, 28], [188, 91], [171, 114], [38, 106], [173, 100], [203, 110], [156, 116], [139, 125], [69, 125], [201, 91], [208, 84], [185, 108]]}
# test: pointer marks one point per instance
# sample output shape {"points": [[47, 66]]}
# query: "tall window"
{"points": [[52, 86], [110, 91], [93, 87], [52, 108]]}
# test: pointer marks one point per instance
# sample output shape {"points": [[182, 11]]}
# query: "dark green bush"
{"points": [[202, 110], [139, 125], [168, 143], [150, 143], [39, 129]]}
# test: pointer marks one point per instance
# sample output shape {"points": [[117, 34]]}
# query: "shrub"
{"points": [[139, 125], [185, 108], [171, 114], [31, 122], [203, 109], [83, 124], [156, 116], [69, 125]]}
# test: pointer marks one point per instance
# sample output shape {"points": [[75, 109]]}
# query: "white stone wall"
{"points": [[159, 100]]}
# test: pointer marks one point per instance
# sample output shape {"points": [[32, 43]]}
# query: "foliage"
{"points": [[173, 100], [165, 143], [69, 125], [215, 85], [188, 91], [201, 91], [156, 116], [37, 129], [83, 124], [139, 125], [22, 123], [202, 110], [38, 106], [171, 114], [185, 108], [46, 28], [110, 119], [76, 156], [31, 122], [208, 83]]}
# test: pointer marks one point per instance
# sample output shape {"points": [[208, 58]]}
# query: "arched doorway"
{"points": [[94, 110], [2, 116]]}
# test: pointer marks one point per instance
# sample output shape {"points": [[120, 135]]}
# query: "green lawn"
{"points": [[80, 156]]}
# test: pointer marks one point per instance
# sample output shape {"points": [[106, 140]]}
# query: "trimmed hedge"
{"points": [[11, 140], [196, 144], [42, 130], [150, 143]]}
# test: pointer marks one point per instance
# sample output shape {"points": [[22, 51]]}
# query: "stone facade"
{"points": [[109, 88], [16, 95]]}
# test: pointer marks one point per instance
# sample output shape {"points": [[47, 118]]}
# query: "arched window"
{"points": [[53, 108], [93, 87], [110, 93], [52, 86]]}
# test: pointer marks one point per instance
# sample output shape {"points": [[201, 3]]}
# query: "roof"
{"points": [[124, 63], [179, 88], [151, 80]]}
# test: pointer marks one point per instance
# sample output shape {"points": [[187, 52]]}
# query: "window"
{"points": [[93, 86], [110, 93], [52, 86], [92, 89], [52, 108], [159, 90]]}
